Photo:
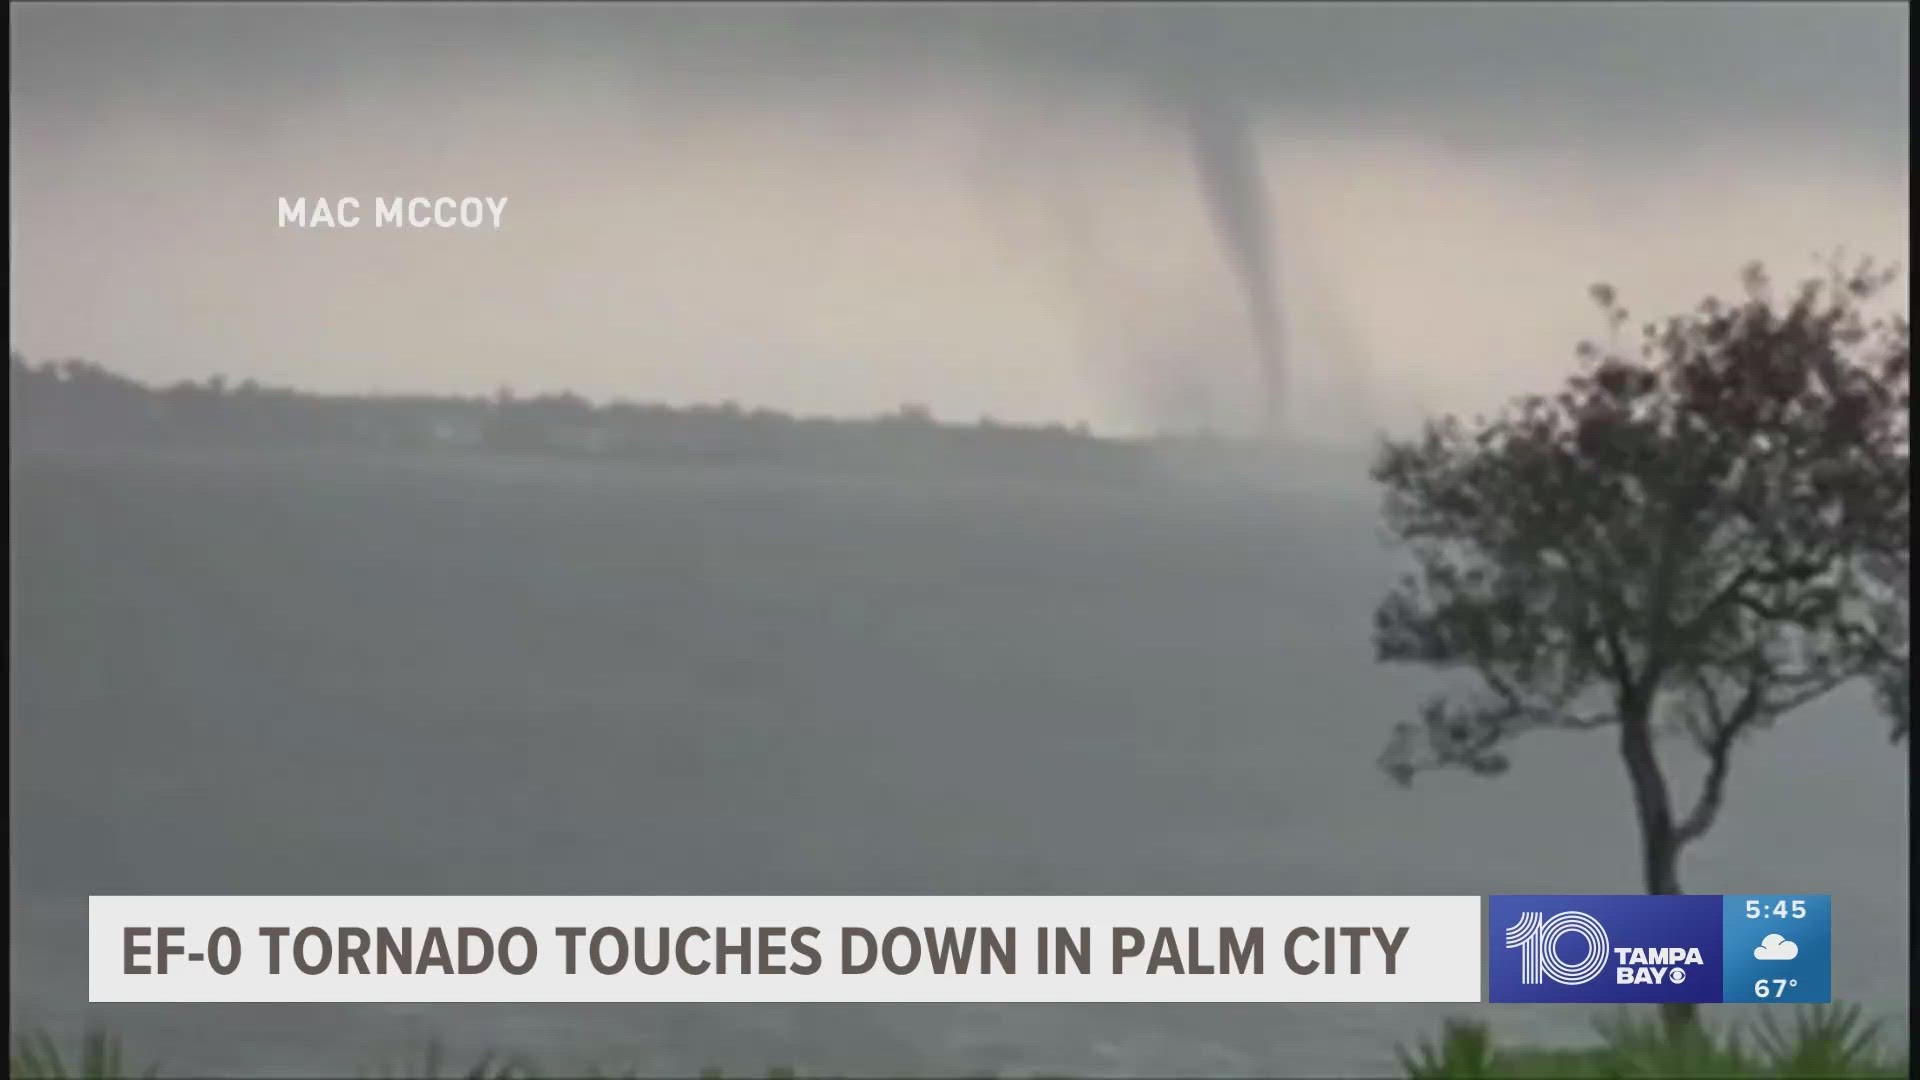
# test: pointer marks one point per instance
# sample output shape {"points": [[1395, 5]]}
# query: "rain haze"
{"points": [[722, 668], [1040, 213]]}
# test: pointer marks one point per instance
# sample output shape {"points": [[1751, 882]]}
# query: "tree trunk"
{"points": [[1659, 842]]}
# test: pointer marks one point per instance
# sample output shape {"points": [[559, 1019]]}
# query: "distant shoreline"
{"points": [[74, 409]]}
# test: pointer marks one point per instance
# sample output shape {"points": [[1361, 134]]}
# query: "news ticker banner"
{"points": [[959, 948], [784, 948]]}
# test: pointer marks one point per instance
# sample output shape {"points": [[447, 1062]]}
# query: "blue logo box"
{"points": [[1629, 949]]}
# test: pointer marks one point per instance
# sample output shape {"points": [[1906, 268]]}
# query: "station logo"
{"points": [[1605, 949]]}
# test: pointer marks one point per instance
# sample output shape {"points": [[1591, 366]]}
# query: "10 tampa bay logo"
{"points": [[1538, 939], [1604, 948]]}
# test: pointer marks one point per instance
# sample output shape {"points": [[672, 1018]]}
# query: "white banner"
{"points": [[784, 948]]}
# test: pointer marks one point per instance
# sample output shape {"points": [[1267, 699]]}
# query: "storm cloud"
{"points": [[841, 208]]}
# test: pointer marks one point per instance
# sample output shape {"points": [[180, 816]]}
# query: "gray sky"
{"points": [[989, 209]]}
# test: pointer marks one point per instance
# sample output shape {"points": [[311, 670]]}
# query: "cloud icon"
{"points": [[1775, 947]]}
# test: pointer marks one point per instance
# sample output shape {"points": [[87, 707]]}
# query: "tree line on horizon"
{"points": [[78, 404]]}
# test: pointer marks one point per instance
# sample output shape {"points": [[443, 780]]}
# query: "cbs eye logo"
{"points": [[1538, 940]]}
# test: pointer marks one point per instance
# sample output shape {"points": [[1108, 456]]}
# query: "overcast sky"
{"points": [[991, 209]]}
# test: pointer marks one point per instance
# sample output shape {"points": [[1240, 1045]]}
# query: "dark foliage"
{"points": [[1693, 538], [77, 405]]}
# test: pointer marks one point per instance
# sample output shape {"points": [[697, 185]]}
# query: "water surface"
{"points": [[319, 674]]}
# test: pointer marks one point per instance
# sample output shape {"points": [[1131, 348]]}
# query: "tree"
{"points": [[1688, 542]]}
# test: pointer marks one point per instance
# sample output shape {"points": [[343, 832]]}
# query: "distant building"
{"points": [[453, 430], [582, 438]]}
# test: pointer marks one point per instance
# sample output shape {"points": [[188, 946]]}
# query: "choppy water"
{"points": [[297, 675]]}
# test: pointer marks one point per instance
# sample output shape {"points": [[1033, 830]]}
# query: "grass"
{"points": [[1827, 1041], [1820, 1041], [37, 1057]]}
